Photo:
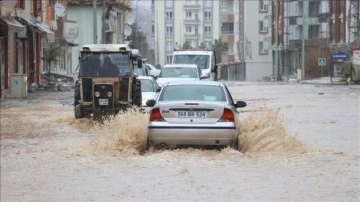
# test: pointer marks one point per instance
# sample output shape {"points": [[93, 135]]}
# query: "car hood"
{"points": [[162, 81], [148, 95]]}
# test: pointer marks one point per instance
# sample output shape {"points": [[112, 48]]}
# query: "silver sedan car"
{"points": [[193, 113]]}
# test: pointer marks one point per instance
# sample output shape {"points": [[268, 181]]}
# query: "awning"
{"points": [[46, 30], [13, 24], [39, 27]]}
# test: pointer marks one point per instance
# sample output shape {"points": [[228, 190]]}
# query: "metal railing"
{"points": [[231, 71]]}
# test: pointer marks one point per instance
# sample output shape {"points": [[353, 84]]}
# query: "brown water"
{"points": [[48, 155]]}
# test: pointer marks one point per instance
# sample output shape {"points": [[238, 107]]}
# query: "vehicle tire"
{"points": [[76, 93], [149, 145], [236, 144], [136, 93], [78, 111]]}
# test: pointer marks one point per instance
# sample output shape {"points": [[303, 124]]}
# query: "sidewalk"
{"points": [[325, 80]]}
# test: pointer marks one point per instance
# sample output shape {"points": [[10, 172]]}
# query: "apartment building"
{"points": [[175, 23], [258, 51], [107, 27], [314, 29]]}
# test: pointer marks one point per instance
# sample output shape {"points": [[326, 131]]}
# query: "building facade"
{"points": [[108, 18], [258, 52], [176, 23]]}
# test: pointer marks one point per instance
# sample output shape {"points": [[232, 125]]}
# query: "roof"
{"points": [[196, 82], [180, 65], [106, 47], [192, 52]]}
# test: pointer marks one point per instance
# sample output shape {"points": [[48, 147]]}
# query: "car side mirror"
{"points": [[158, 89], [240, 104], [150, 103]]}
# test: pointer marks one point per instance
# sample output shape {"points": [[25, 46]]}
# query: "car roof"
{"points": [[195, 82], [180, 65], [146, 77]]}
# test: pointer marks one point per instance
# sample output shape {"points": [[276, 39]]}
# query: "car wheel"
{"points": [[149, 145], [78, 111], [76, 93], [236, 144], [136, 93]]}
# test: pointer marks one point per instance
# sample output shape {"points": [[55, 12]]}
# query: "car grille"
{"points": [[104, 89]]}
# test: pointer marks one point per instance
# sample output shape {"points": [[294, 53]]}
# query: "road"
{"points": [[299, 142]]}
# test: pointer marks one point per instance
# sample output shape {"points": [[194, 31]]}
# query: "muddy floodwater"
{"points": [[298, 142]]}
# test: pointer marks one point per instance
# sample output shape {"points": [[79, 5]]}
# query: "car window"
{"points": [[179, 72], [147, 85], [192, 92]]}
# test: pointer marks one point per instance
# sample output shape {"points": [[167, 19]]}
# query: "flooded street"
{"points": [[299, 142]]}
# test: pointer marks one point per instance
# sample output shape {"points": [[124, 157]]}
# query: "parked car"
{"points": [[178, 72], [152, 70], [149, 88], [193, 113]]}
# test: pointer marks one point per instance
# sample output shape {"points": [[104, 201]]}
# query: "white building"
{"points": [[177, 22], [108, 31], [257, 33]]}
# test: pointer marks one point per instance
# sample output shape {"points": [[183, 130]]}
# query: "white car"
{"points": [[152, 71], [196, 113], [149, 88], [178, 72]]}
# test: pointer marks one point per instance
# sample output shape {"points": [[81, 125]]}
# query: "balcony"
{"points": [[191, 36], [192, 21], [228, 38], [227, 57], [227, 18], [190, 6], [310, 21]]}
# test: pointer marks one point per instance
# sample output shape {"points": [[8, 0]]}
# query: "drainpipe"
{"points": [[94, 22]]}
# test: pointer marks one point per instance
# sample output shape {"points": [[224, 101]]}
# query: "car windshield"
{"points": [[200, 60], [101, 64], [147, 85], [178, 72], [192, 92]]}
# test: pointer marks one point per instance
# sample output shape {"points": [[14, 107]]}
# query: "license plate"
{"points": [[103, 101], [191, 114]]}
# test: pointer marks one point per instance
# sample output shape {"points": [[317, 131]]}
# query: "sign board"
{"points": [[339, 55], [321, 62], [356, 57]]}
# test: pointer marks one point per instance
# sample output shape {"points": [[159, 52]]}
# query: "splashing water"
{"points": [[264, 132], [123, 134]]}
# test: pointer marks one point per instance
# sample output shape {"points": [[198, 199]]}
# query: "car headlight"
{"points": [[109, 94], [97, 94]]}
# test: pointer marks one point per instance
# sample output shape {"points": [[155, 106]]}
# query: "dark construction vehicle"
{"points": [[106, 82]]}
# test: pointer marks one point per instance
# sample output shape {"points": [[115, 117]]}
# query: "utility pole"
{"points": [[94, 22], [276, 68], [304, 35]]}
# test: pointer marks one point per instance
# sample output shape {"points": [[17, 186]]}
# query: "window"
{"points": [[262, 28], [169, 3], [263, 6], [207, 31], [263, 49], [169, 59], [208, 44], [188, 14], [207, 3], [207, 16], [188, 29], [227, 28], [169, 46], [169, 15], [169, 31]]}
